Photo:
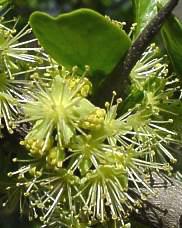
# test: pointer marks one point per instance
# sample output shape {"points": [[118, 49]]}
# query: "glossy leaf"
{"points": [[144, 10], [82, 37], [172, 39]]}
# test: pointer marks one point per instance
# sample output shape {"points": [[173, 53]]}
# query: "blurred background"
{"points": [[178, 10], [117, 9]]}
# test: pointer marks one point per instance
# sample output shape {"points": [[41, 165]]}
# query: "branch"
{"points": [[163, 210], [119, 79]]}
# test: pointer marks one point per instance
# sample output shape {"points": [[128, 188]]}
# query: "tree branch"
{"points": [[163, 210], [119, 79]]}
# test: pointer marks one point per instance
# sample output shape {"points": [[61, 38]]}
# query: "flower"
{"points": [[44, 191], [87, 151], [11, 92], [56, 113], [151, 120], [13, 51], [105, 187], [106, 124], [149, 65], [14, 57]]}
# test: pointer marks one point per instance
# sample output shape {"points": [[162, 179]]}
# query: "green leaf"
{"points": [[3, 3], [172, 39], [82, 37], [144, 10]]}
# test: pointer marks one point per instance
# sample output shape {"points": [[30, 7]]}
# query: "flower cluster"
{"points": [[80, 160], [16, 55], [84, 157]]}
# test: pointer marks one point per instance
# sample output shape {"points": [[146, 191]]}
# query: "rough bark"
{"points": [[164, 209]]}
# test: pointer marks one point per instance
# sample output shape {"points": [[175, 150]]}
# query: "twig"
{"points": [[119, 79]]}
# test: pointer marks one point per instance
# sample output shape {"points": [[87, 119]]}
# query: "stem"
{"points": [[119, 79]]}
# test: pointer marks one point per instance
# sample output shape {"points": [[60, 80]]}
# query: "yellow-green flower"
{"points": [[105, 187], [55, 112], [10, 96], [13, 50]]}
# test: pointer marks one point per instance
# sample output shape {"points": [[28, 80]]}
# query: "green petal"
{"points": [[84, 108], [84, 166], [144, 10]]}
